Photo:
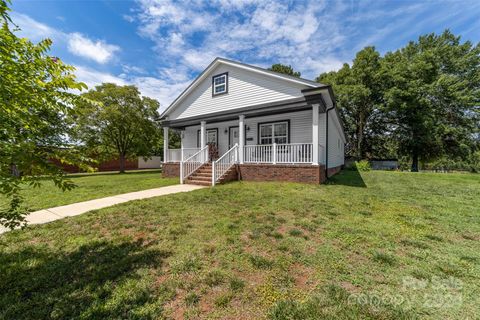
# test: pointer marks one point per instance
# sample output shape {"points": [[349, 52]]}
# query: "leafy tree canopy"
{"points": [[432, 96], [281, 68], [121, 124], [35, 99]]}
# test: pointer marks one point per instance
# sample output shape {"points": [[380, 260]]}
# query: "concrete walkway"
{"points": [[70, 210]]}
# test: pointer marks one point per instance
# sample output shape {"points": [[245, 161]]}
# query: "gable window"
{"points": [[220, 84], [273, 132]]}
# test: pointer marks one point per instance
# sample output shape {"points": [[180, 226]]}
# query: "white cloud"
{"points": [[77, 43], [165, 91], [33, 29], [98, 51]]}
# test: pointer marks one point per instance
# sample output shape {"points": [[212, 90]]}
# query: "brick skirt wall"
{"points": [[279, 172], [267, 172], [170, 170]]}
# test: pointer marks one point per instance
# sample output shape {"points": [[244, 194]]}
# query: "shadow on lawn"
{"points": [[348, 177], [37, 283]]}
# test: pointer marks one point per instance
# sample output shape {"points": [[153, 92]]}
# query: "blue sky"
{"points": [[160, 46]]}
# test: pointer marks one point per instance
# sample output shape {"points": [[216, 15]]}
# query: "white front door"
{"points": [[232, 136]]}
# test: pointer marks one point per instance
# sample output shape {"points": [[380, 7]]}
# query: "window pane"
{"points": [[266, 141], [219, 80], [211, 137], [220, 89], [281, 140], [280, 129], [266, 130]]}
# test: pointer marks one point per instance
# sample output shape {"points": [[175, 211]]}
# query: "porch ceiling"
{"points": [[286, 106]]}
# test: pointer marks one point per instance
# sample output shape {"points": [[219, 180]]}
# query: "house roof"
{"points": [[241, 65]]}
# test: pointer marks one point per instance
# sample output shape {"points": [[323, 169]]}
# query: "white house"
{"points": [[239, 121]]}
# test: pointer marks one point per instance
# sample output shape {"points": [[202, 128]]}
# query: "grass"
{"points": [[92, 186], [375, 245]]}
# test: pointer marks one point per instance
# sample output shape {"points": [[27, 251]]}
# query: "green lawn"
{"points": [[383, 245], [93, 186]]}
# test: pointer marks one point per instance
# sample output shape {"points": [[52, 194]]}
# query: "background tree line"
{"points": [[418, 103]]}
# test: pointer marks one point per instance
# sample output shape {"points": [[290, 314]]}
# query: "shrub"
{"points": [[362, 165]]}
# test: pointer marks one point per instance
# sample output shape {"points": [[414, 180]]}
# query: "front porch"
{"points": [[288, 146]]}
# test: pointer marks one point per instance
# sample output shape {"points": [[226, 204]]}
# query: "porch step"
{"points": [[200, 178], [199, 182]]}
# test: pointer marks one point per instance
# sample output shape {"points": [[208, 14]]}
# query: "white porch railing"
{"points": [[225, 162], [178, 155], [193, 163], [279, 153]]}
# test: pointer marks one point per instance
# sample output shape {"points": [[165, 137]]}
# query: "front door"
{"points": [[232, 137]]}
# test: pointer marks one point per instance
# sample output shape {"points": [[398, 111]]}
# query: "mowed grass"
{"points": [[375, 245], [92, 186]]}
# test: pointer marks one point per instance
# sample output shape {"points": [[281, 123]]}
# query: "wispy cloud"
{"points": [[163, 90], [77, 43], [98, 51]]}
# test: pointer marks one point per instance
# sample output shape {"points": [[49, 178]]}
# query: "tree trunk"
{"points": [[122, 163], [415, 162], [360, 127]]}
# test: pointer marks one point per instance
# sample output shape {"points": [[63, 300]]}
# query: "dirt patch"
{"points": [[304, 277]]}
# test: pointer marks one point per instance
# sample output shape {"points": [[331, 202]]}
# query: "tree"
{"points": [[121, 123], [281, 68], [35, 99], [432, 96], [359, 96]]}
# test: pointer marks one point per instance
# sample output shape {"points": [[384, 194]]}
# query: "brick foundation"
{"points": [[171, 170], [279, 172], [267, 172]]}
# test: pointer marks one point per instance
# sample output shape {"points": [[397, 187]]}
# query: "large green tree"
{"points": [[358, 92], [121, 124], [432, 94], [288, 70], [35, 99]]}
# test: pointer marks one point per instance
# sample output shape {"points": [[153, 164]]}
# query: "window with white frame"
{"points": [[220, 84], [275, 132]]}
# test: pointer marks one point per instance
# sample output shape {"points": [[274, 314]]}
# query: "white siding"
{"points": [[335, 142], [300, 129], [245, 88]]}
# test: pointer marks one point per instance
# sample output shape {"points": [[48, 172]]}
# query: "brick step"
{"points": [[202, 178], [199, 182], [203, 174], [204, 171]]}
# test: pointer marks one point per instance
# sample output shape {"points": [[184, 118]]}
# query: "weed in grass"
{"points": [[209, 249], [236, 284], [469, 259], [434, 237], [260, 262], [414, 243], [384, 258], [223, 300], [276, 235], [295, 233], [214, 278], [187, 264], [283, 247], [192, 299], [470, 236]]}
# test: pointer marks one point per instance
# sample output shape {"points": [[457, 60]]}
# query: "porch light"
{"points": [[225, 131], [248, 128]]}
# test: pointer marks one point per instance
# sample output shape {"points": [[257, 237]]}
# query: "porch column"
{"points": [[315, 121], [241, 138], [165, 144], [203, 133]]}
